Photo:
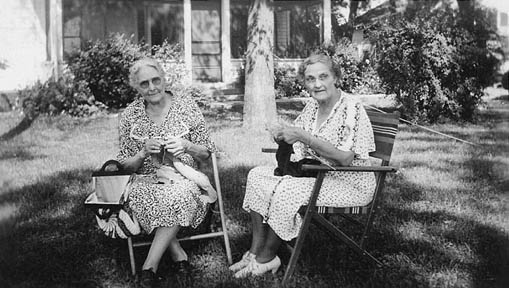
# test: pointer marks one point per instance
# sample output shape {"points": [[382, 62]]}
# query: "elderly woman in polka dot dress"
{"points": [[158, 126], [334, 128]]}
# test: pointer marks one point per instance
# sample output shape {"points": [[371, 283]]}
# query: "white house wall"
{"points": [[24, 44]]}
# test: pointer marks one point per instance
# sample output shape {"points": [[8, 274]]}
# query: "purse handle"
{"points": [[111, 161]]}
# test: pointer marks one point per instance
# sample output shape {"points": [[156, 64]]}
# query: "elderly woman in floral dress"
{"points": [[162, 123], [334, 128]]}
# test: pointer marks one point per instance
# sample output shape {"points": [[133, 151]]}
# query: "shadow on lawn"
{"points": [[52, 241], [25, 123], [418, 249], [20, 153]]}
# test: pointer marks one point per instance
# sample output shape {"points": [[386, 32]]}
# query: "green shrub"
{"points": [[104, 66], [435, 67], [172, 59], [286, 83], [62, 96], [196, 92], [358, 75]]}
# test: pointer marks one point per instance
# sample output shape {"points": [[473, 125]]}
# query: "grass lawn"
{"points": [[444, 220]]}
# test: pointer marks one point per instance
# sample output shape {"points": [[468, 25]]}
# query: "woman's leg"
{"points": [[162, 239], [176, 251], [266, 259], [259, 233], [270, 247], [257, 241]]}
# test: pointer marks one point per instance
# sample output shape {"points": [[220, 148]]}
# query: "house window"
{"points": [[297, 28], [71, 27], [282, 30], [503, 19], [289, 41], [161, 21], [239, 12]]}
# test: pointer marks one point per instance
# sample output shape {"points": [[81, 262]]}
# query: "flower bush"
{"points": [[53, 97], [436, 68], [104, 66], [358, 74], [97, 78], [286, 83]]}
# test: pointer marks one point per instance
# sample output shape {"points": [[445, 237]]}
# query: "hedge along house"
{"points": [[213, 32]]}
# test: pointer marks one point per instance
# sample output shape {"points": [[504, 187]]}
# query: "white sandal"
{"points": [[246, 259], [255, 268]]}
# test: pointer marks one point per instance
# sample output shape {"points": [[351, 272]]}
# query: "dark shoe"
{"points": [[148, 279], [183, 272], [183, 268]]}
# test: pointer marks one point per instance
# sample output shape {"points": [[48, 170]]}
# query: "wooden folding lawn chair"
{"points": [[217, 208], [385, 127]]}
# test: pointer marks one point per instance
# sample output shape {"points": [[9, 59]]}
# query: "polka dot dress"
{"points": [[164, 205], [278, 198]]}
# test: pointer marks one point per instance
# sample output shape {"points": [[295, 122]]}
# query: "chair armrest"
{"points": [[322, 167], [269, 150], [308, 167]]}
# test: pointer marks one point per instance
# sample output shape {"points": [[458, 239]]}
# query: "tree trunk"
{"points": [[354, 5], [259, 96], [467, 12]]}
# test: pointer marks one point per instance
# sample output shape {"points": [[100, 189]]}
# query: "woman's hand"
{"points": [[177, 146], [292, 134], [152, 146]]}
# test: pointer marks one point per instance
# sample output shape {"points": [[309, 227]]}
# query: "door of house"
{"points": [[206, 40]]}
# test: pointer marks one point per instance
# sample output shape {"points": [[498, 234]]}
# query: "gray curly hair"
{"points": [[144, 62], [323, 58]]}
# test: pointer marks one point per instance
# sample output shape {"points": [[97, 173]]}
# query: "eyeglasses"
{"points": [[155, 81]]}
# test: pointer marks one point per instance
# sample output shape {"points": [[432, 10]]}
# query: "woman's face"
{"points": [[319, 81], [150, 84]]}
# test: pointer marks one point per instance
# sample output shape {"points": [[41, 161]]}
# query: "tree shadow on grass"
{"points": [[25, 123], [20, 153], [442, 249], [51, 239]]}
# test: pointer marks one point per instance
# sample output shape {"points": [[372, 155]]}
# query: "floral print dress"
{"points": [[176, 203], [278, 198]]}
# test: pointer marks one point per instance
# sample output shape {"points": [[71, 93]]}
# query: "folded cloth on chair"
{"points": [[108, 201], [120, 224]]}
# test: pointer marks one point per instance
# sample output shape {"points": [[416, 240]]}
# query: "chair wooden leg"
{"points": [[304, 228], [226, 239], [298, 247], [131, 255], [221, 209], [374, 207]]}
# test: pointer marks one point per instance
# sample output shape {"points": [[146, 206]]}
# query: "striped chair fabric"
{"points": [[385, 128], [338, 210]]}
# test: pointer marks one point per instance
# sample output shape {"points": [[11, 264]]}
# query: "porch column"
{"points": [[225, 42], [188, 52], [327, 22], [55, 44]]}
